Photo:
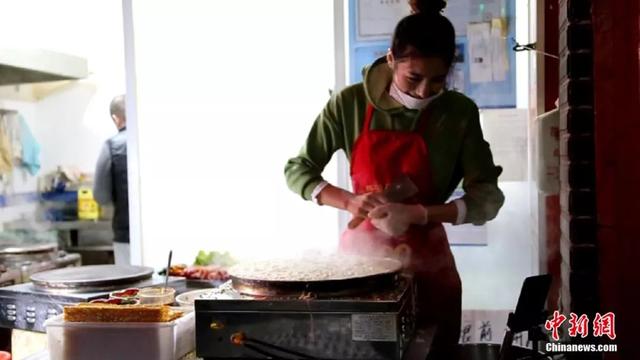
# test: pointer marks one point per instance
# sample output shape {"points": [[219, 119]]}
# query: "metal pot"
{"points": [[18, 255]]}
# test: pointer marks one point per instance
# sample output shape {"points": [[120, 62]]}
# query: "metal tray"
{"points": [[91, 278], [28, 249]]}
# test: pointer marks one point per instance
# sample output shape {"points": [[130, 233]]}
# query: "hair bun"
{"points": [[430, 6]]}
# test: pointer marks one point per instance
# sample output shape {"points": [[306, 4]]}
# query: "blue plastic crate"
{"points": [[60, 196]]}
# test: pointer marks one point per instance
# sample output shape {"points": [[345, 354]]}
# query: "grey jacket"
{"points": [[110, 183]]}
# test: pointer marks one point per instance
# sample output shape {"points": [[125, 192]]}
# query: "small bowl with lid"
{"points": [[157, 295]]}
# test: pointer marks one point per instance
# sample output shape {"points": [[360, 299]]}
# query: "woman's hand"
{"points": [[394, 218], [360, 206]]}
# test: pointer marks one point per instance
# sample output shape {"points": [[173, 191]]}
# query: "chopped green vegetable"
{"points": [[214, 258]]}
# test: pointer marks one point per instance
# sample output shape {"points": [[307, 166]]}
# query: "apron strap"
{"points": [[367, 118]]}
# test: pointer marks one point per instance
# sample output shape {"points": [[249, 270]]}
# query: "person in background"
{"points": [[110, 184], [400, 122]]}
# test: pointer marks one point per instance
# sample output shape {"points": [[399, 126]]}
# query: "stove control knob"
{"points": [[12, 312], [31, 320], [216, 325], [11, 306], [238, 338], [11, 318], [31, 308]]}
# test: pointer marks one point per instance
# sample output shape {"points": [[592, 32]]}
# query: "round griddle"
{"points": [[27, 249], [17, 254], [91, 278], [385, 276]]}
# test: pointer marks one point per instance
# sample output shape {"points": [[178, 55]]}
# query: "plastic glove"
{"points": [[394, 219], [361, 205]]}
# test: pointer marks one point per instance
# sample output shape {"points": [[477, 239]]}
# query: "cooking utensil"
{"points": [[399, 190], [166, 277]]}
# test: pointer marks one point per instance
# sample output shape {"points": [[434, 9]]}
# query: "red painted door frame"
{"points": [[617, 135]]}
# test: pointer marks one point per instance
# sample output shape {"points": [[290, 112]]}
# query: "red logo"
{"points": [[602, 325], [605, 325], [579, 325], [554, 324]]}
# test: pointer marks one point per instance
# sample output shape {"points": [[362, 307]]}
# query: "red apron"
{"points": [[380, 157]]}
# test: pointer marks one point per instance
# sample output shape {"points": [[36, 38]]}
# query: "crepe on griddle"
{"points": [[321, 268]]}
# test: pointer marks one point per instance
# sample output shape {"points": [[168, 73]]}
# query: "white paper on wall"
{"points": [[479, 39], [506, 132], [376, 19], [499, 52]]}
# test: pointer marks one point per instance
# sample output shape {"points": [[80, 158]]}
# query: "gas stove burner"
{"points": [[90, 278], [372, 325], [227, 291]]}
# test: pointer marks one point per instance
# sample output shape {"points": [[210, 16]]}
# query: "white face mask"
{"points": [[409, 101]]}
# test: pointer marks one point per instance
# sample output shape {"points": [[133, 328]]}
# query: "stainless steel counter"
{"points": [[58, 225]]}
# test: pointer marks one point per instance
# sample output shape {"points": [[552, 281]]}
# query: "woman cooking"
{"points": [[401, 122]]}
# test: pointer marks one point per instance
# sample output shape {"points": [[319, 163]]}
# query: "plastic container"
{"points": [[157, 296], [59, 205], [122, 341], [188, 299], [88, 208]]}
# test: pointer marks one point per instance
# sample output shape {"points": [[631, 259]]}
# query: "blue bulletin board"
{"points": [[485, 64]]}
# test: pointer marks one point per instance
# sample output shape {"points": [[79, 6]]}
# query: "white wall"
{"points": [[203, 187], [72, 123], [492, 275], [226, 93]]}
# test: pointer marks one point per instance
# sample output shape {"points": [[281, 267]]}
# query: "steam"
{"points": [[367, 240]]}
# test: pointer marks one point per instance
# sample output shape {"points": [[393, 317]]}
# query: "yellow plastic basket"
{"points": [[88, 208]]}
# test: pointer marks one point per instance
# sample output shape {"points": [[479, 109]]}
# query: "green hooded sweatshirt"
{"points": [[457, 149]]}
